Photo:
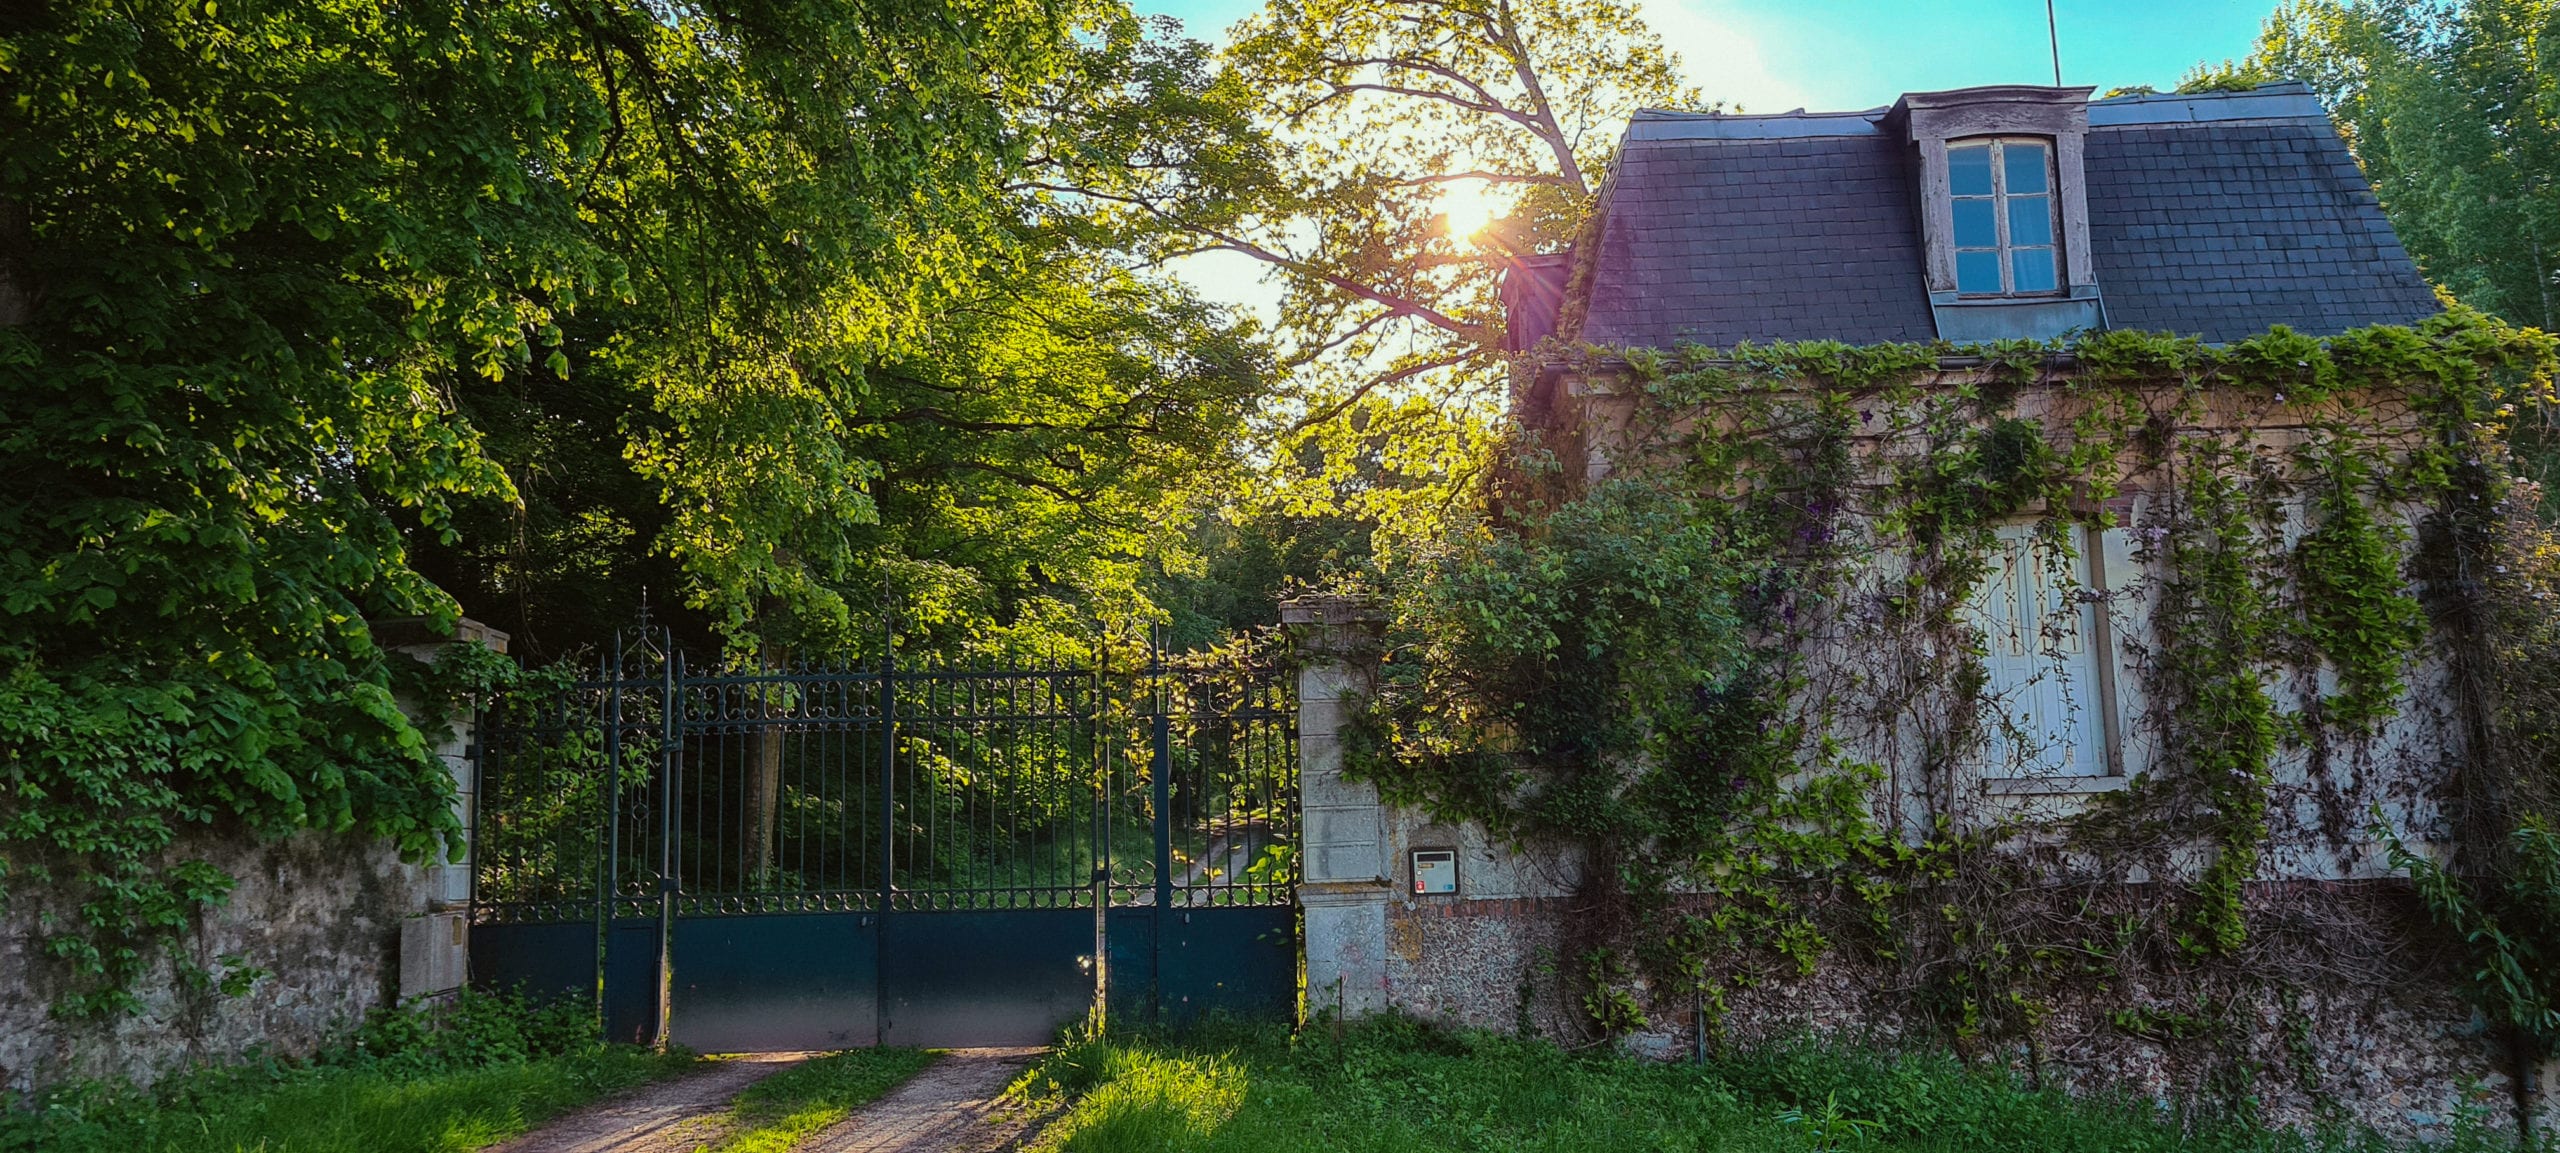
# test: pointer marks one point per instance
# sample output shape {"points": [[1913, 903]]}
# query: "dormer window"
{"points": [[2004, 210], [2000, 193]]}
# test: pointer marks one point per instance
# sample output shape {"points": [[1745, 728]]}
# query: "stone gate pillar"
{"points": [[435, 931], [1344, 874]]}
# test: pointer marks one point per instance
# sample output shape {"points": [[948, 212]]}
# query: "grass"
{"points": [[781, 1110], [382, 1108], [432, 1077], [1395, 1085]]}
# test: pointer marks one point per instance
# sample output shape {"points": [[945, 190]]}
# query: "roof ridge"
{"points": [[2281, 99]]}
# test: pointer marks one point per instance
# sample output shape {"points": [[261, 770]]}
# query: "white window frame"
{"points": [[1999, 198]]}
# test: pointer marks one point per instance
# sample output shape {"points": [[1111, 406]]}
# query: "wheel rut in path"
{"points": [[672, 1116], [955, 1106]]}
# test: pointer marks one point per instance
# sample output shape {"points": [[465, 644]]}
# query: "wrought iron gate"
{"points": [[915, 854]]}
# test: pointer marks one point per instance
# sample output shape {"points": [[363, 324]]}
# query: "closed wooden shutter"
{"points": [[2041, 711]]}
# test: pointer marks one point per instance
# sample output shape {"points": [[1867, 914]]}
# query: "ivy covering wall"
{"points": [[1737, 679]]}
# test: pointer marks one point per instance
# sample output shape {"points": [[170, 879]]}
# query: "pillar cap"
{"points": [[421, 632], [1331, 609]]}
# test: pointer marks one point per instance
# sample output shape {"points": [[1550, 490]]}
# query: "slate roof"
{"points": [[2213, 214]]}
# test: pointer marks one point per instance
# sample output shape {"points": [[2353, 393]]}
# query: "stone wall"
{"points": [[336, 925], [2402, 1054], [320, 914]]}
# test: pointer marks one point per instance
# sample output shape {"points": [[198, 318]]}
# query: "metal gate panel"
{"points": [[917, 853], [1008, 977], [631, 982], [776, 982], [542, 960], [1232, 962], [1130, 943]]}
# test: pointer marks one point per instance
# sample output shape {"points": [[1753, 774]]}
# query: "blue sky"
{"points": [[1832, 55]]}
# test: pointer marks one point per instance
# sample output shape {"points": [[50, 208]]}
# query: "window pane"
{"points": [[2030, 221], [2032, 267], [1969, 170], [1977, 272], [1974, 226], [2024, 165]]}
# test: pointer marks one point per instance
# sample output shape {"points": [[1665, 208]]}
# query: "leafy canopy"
{"points": [[257, 259]]}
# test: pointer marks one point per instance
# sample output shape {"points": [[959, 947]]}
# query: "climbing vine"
{"points": [[2215, 632], [1744, 682]]}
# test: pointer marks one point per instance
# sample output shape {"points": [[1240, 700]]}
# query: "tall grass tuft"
{"points": [[1134, 1100]]}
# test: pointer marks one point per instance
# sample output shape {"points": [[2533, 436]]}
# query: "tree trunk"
{"points": [[17, 285], [764, 776]]}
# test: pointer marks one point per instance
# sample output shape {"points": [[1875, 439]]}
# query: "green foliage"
{"points": [[529, 311], [1572, 635], [1828, 1127], [2493, 878], [2355, 609], [2510, 928], [1606, 1000], [2216, 635], [471, 1031]]}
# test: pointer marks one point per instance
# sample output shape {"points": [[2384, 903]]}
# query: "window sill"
{"points": [[2050, 786]]}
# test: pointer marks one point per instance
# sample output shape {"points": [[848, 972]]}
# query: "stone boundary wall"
{"points": [[338, 925], [2404, 1055], [321, 914]]}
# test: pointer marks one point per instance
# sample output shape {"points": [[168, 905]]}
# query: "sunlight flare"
{"points": [[1468, 207]]}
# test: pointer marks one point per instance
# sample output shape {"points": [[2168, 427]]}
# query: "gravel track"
{"points": [[955, 1106], [672, 1116]]}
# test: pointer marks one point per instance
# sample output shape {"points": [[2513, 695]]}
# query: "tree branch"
{"points": [[1544, 126], [1354, 397], [1396, 304], [1524, 121], [1489, 177], [1410, 64]]}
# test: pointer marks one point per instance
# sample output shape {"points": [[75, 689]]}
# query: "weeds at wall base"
{"points": [[1397, 1084]]}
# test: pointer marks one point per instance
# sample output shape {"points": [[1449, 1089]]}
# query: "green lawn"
{"points": [[1397, 1086], [788, 1106], [383, 1108]]}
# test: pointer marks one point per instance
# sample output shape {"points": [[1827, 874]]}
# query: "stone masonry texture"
{"points": [[320, 913]]}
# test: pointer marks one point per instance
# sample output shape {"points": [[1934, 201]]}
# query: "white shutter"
{"points": [[2041, 711]]}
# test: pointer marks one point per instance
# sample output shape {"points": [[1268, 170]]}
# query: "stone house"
{"points": [[1942, 226]]}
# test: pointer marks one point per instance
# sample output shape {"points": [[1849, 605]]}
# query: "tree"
{"points": [[1016, 450], [1406, 151], [257, 258]]}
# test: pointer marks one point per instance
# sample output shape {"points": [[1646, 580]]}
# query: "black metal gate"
{"points": [[922, 854]]}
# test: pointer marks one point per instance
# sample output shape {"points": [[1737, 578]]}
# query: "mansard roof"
{"points": [[2212, 214]]}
